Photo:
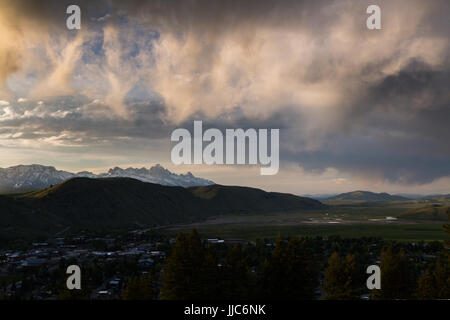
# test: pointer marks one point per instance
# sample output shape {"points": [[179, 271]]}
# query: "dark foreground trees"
{"points": [[194, 272], [341, 278], [291, 273], [139, 288], [397, 275], [237, 282], [190, 272], [291, 270], [434, 284]]}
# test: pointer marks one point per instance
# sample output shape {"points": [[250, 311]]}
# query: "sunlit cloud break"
{"points": [[373, 105]]}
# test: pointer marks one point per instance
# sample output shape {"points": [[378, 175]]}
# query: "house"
{"points": [[103, 294], [33, 263], [145, 262], [157, 254], [115, 283], [40, 244]]}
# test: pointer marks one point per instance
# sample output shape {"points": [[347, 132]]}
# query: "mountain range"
{"points": [[103, 204], [366, 196], [23, 178], [437, 198]]}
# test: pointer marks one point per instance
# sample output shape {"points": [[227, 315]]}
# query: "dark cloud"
{"points": [[363, 102], [399, 130]]}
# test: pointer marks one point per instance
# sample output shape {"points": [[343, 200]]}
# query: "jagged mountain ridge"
{"points": [[33, 177]]}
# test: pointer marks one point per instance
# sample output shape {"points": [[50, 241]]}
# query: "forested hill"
{"points": [[121, 203], [366, 196]]}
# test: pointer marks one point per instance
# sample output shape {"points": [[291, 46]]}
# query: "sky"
{"points": [[357, 109]]}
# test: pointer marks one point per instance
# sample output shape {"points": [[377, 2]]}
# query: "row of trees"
{"points": [[193, 272], [435, 283], [292, 271], [342, 280]]}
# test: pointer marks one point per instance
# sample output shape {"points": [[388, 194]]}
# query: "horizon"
{"points": [[305, 194]]}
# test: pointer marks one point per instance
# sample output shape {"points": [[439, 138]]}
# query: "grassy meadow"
{"points": [[387, 220]]}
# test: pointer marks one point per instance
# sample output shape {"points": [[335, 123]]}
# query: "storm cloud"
{"points": [[368, 103]]}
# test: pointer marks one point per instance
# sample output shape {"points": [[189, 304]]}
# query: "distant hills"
{"points": [[366, 196], [372, 196], [431, 212], [319, 196], [437, 198], [123, 203], [33, 177]]}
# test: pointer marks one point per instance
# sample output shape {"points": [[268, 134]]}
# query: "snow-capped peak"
{"points": [[35, 176]]}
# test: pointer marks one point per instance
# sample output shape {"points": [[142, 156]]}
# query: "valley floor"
{"points": [[399, 232], [346, 221]]}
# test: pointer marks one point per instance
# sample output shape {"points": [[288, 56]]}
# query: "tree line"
{"points": [[295, 268]]}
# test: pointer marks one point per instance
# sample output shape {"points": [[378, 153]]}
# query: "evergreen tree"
{"points": [[442, 272], [442, 277], [190, 272], [340, 280], [291, 272], [237, 281], [397, 278], [447, 231], [139, 288], [426, 286], [353, 275]]}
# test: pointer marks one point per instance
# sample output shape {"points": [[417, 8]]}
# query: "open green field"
{"points": [[399, 232], [350, 220]]}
